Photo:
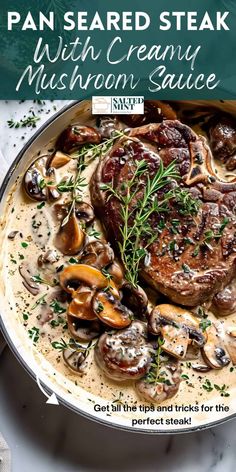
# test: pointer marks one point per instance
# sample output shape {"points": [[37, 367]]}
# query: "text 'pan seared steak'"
{"points": [[193, 255]]}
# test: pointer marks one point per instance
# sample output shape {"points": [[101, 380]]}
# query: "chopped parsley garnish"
{"points": [[204, 324]]}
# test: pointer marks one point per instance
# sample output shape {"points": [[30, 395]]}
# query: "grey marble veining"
{"points": [[46, 438]]}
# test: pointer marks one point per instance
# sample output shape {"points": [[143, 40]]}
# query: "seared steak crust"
{"points": [[193, 256]]}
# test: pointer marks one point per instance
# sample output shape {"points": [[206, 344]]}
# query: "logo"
{"points": [[121, 105]]}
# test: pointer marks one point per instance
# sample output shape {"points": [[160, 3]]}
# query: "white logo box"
{"points": [[123, 105]]}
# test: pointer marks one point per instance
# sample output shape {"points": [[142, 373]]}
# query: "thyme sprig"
{"points": [[155, 374], [29, 121], [139, 235], [86, 154], [92, 151]]}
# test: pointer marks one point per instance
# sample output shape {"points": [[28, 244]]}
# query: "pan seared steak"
{"points": [[194, 254]]}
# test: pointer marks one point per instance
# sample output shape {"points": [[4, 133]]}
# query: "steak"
{"points": [[194, 255]]}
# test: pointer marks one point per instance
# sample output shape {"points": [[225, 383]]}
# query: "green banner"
{"points": [[164, 49]]}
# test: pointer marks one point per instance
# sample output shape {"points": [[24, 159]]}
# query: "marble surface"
{"points": [[45, 438]]}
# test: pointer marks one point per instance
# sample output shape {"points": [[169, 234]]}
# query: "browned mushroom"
{"points": [[155, 111], [81, 274], [75, 136], [83, 211], [40, 182], [213, 351], [49, 257], [28, 282], [116, 272], [224, 302], [75, 357], [58, 159], [110, 311], [126, 354], [97, 254], [75, 360], [83, 330], [34, 183], [135, 299], [159, 391], [178, 327], [70, 237], [81, 305]]}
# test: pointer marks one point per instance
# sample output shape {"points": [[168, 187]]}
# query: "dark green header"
{"points": [[165, 49]]}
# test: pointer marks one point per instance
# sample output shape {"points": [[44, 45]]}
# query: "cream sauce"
{"points": [[19, 216]]}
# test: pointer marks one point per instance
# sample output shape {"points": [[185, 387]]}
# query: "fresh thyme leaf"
{"points": [[93, 233], [100, 307], [40, 301], [41, 205], [57, 307], [204, 324], [34, 334], [222, 390], [73, 260], [60, 345], [187, 204], [208, 386]]}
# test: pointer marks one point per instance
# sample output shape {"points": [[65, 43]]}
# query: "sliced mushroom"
{"points": [[81, 305], [74, 275], [178, 328], [214, 351], [70, 237], [157, 392], [58, 159], [75, 136], [12, 235], [83, 330], [224, 302], [116, 272], [82, 210], [97, 254], [135, 299], [107, 125], [28, 282], [228, 335], [125, 354], [110, 311], [75, 359], [49, 257], [34, 184], [176, 340]]}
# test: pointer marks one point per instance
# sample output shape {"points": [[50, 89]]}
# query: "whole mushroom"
{"points": [[159, 391], [75, 136], [126, 354]]}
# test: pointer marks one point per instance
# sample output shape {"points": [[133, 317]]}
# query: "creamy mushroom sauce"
{"points": [[32, 241]]}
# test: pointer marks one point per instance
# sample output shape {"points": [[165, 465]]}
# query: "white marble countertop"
{"points": [[45, 438]]}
